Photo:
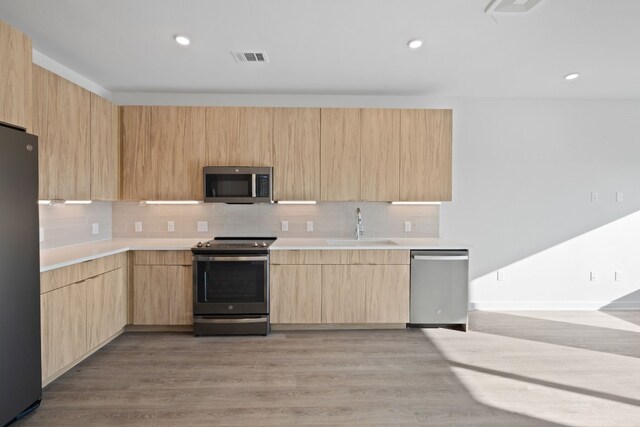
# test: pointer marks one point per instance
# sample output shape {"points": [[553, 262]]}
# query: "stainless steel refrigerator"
{"points": [[20, 378]]}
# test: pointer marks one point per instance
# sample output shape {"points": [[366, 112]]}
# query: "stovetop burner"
{"points": [[234, 244]]}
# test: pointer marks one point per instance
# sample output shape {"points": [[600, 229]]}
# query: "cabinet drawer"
{"points": [[339, 257], [64, 276], [162, 258]]}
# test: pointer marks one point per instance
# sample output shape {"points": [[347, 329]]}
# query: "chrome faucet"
{"points": [[359, 226]]}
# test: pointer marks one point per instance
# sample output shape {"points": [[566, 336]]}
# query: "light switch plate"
{"points": [[95, 228], [407, 226], [500, 275], [203, 226], [619, 196], [594, 196], [593, 276], [171, 226], [617, 276], [309, 225], [41, 234], [138, 226], [285, 225]]}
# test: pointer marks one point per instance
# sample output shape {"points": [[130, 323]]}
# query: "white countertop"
{"points": [[400, 243], [51, 259], [67, 255]]}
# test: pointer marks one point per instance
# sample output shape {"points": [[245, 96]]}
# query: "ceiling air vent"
{"points": [[511, 6], [255, 57]]}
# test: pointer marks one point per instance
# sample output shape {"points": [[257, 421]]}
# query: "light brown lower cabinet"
{"points": [[387, 294], [348, 287], [106, 308], [365, 293], [82, 306], [162, 295], [64, 327], [295, 294]]}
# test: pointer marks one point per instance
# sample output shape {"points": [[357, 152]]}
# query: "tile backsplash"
{"points": [[63, 225], [331, 219]]}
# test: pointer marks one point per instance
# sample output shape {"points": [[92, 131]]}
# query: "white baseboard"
{"points": [[553, 305]]}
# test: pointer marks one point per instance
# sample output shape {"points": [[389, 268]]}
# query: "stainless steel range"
{"points": [[231, 286]]}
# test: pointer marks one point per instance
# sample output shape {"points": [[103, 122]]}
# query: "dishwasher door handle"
{"points": [[440, 258]]}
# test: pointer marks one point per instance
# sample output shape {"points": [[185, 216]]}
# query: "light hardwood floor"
{"points": [[511, 369]]}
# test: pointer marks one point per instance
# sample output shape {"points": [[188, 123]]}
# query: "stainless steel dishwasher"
{"points": [[439, 288]]}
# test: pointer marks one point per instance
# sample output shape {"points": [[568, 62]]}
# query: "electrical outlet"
{"points": [[203, 226], [138, 226], [171, 226], [41, 234], [500, 275], [617, 276], [593, 276], [95, 228], [619, 196], [309, 225], [285, 225], [407, 226], [594, 196]]}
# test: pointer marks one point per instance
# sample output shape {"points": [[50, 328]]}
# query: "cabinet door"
{"points": [[340, 154], [62, 122], [150, 295], [64, 327], [106, 306], [105, 149], [16, 83], [296, 153], [425, 155], [380, 161], [137, 156], [343, 293], [387, 293], [162, 295], [239, 136], [296, 293], [180, 298], [177, 147]]}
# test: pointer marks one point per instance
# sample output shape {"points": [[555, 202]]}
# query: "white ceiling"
{"points": [[342, 46]]}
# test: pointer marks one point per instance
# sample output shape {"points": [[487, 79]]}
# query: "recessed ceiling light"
{"points": [[182, 40], [572, 76], [414, 44]]}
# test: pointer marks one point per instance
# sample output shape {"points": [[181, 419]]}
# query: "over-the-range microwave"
{"points": [[238, 184]]}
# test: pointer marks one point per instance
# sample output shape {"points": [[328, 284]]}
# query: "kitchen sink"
{"points": [[361, 242]]}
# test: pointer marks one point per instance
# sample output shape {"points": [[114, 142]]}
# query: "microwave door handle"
{"points": [[253, 185]]}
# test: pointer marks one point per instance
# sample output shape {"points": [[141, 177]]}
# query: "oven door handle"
{"points": [[231, 258]]}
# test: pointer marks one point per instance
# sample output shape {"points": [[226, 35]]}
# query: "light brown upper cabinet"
{"points": [[340, 154], [62, 123], [238, 136], [136, 160], [162, 152], [177, 140], [16, 83], [380, 158], [425, 155], [105, 149], [296, 153]]}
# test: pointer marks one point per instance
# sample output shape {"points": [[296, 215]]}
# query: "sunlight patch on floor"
{"points": [[554, 381], [546, 403], [599, 319]]}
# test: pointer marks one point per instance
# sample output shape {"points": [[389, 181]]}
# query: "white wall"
{"points": [[523, 174]]}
